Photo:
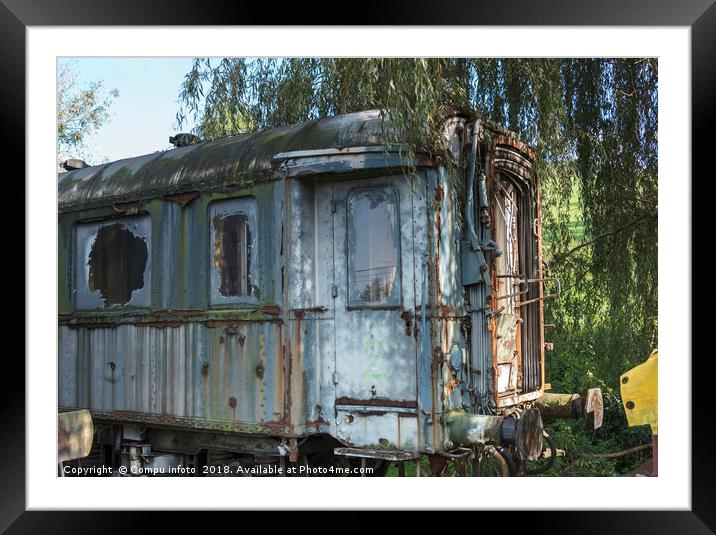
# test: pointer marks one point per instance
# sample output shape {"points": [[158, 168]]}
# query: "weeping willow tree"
{"points": [[593, 123]]}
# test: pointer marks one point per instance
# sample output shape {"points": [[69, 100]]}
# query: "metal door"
{"points": [[374, 292]]}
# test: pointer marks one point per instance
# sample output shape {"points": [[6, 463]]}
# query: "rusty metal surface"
{"points": [[299, 357], [188, 371], [377, 402], [507, 354], [517, 399], [379, 430], [373, 355], [368, 453]]}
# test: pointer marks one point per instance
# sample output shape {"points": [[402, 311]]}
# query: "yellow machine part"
{"points": [[639, 389]]}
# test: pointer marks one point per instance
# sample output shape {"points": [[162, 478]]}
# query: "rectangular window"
{"points": [[230, 254], [113, 263], [233, 232], [509, 283], [373, 232]]}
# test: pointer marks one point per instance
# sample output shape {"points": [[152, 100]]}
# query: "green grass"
{"points": [[574, 211]]}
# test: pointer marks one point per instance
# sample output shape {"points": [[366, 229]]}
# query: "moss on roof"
{"points": [[213, 164]]}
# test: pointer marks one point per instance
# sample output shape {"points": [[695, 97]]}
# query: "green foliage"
{"points": [[593, 123], [81, 111], [580, 450], [607, 316]]}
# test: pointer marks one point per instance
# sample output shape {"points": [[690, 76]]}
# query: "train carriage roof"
{"points": [[214, 164]]}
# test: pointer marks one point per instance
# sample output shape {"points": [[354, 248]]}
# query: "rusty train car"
{"points": [[297, 296]]}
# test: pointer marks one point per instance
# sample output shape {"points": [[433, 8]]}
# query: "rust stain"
{"points": [[232, 404], [158, 320], [182, 198], [319, 421], [280, 382], [407, 317], [128, 207], [372, 413], [299, 313], [167, 419], [204, 388], [513, 142], [452, 384], [438, 288], [377, 402]]}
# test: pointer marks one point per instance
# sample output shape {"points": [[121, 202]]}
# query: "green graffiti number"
{"points": [[375, 349]]}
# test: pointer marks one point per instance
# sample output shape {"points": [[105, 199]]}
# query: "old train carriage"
{"points": [[296, 295]]}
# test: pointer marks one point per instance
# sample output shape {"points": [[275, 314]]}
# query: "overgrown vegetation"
{"points": [[594, 125]]}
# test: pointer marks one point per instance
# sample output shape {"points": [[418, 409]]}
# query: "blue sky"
{"points": [[143, 115]]}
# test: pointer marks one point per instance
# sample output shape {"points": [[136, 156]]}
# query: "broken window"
{"points": [[230, 254], [373, 248], [233, 228], [510, 284], [115, 264]]}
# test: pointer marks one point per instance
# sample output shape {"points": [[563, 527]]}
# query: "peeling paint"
{"points": [[274, 302]]}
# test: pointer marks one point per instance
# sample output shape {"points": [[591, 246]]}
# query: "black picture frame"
{"points": [[16, 15]]}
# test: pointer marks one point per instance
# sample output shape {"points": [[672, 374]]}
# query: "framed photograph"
{"points": [[314, 254]]}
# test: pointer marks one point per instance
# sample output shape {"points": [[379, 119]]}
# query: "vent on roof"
{"points": [[74, 163], [183, 140]]}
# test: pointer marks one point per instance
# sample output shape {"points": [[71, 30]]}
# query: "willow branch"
{"points": [[617, 454], [614, 232]]}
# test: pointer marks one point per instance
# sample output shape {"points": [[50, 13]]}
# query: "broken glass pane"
{"points": [[506, 237], [116, 264], [373, 248]]}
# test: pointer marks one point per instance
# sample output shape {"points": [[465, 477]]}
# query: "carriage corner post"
{"points": [[307, 297]]}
